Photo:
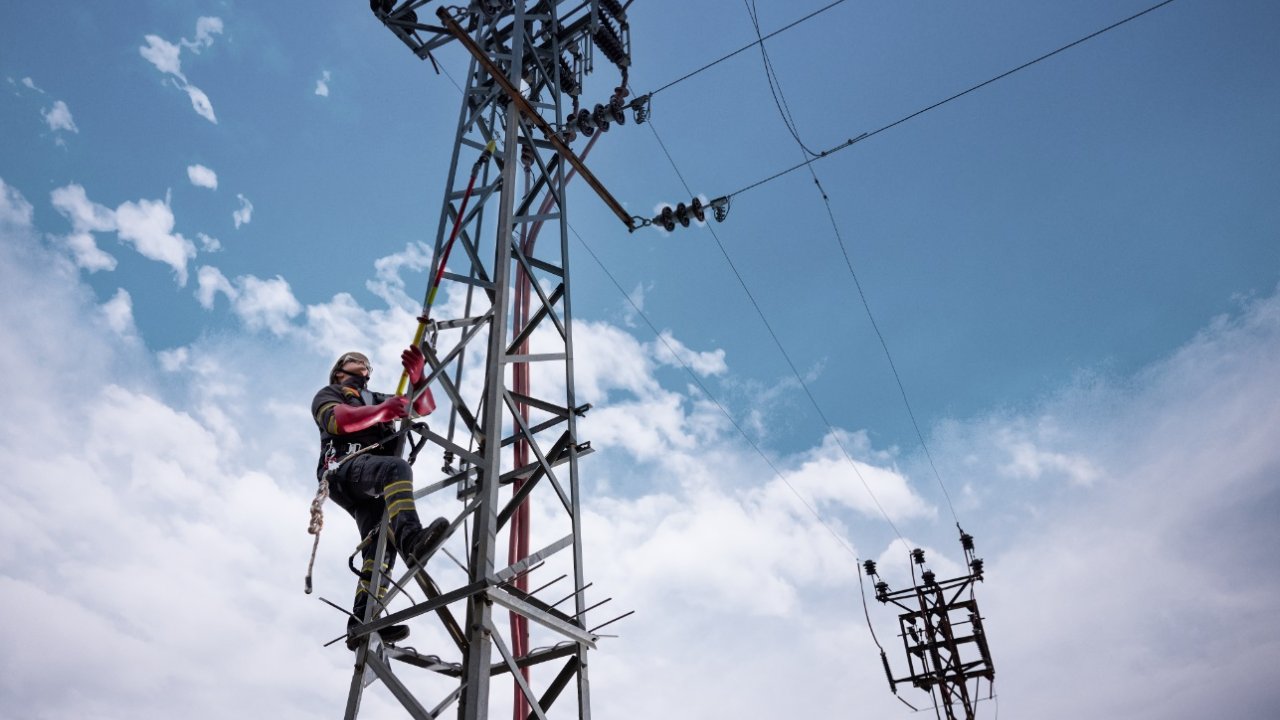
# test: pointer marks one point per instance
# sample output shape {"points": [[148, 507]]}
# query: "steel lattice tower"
{"points": [[942, 635], [506, 329]]}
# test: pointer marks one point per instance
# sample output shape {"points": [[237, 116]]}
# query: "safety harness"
{"points": [[322, 490]]}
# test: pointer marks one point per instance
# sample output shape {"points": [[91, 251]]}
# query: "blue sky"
{"points": [[1075, 269]]}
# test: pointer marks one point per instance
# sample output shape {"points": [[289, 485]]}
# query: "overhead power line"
{"points": [[852, 141], [804, 386], [689, 370], [776, 341], [749, 45], [857, 561], [775, 86], [784, 109]]}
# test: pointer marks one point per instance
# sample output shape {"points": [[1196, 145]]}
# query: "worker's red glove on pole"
{"points": [[414, 362], [350, 418]]}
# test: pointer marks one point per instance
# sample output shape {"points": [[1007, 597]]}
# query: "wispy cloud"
{"points": [[148, 226], [59, 118], [201, 176], [208, 243], [322, 85], [118, 313], [164, 55], [16, 213], [167, 58], [200, 103], [261, 304], [206, 28], [87, 218], [145, 225], [245, 213], [670, 351], [210, 282]]}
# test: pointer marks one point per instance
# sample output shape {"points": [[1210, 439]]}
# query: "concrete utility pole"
{"points": [[509, 452]]}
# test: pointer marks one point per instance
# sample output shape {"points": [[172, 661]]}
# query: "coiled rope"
{"points": [[317, 523]]}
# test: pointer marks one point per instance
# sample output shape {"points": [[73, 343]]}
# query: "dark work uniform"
{"points": [[367, 485]]}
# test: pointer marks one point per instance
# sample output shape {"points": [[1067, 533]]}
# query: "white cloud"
{"points": [[266, 304], [201, 176], [245, 213], [148, 226], [206, 28], [339, 325], [15, 212], [388, 284], [260, 304], [1029, 461], [625, 367], [164, 55], [209, 282], [322, 85], [84, 214], [634, 304], [208, 243], [118, 313], [87, 254], [703, 363], [827, 476], [59, 118], [87, 217], [161, 487], [173, 360], [28, 82], [200, 103], [167, 58]]}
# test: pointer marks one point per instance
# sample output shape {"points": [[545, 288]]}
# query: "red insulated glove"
{"points": [[413, 360], [350, 419]]}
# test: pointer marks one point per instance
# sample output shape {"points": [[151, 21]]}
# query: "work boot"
{"points": [[424, 541], [391, 635]]}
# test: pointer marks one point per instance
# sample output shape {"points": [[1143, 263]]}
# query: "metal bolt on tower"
{"points": [[504, 327]]}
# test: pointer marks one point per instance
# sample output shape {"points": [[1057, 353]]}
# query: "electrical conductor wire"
{"points": [[775, 86], [705, 391], [852, 141], [745, 47], [784, 109], [803, 385]]}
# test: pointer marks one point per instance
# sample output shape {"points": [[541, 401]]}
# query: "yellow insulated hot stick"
{"points": [[444, 258]]}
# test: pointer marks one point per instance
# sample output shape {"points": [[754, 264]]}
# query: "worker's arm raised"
{"points": [[349, 419]]}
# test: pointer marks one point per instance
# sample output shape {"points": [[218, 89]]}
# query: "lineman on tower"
{"points": [[373, 482]]}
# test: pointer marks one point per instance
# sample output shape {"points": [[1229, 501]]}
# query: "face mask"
{"points": [[355, 381]]}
